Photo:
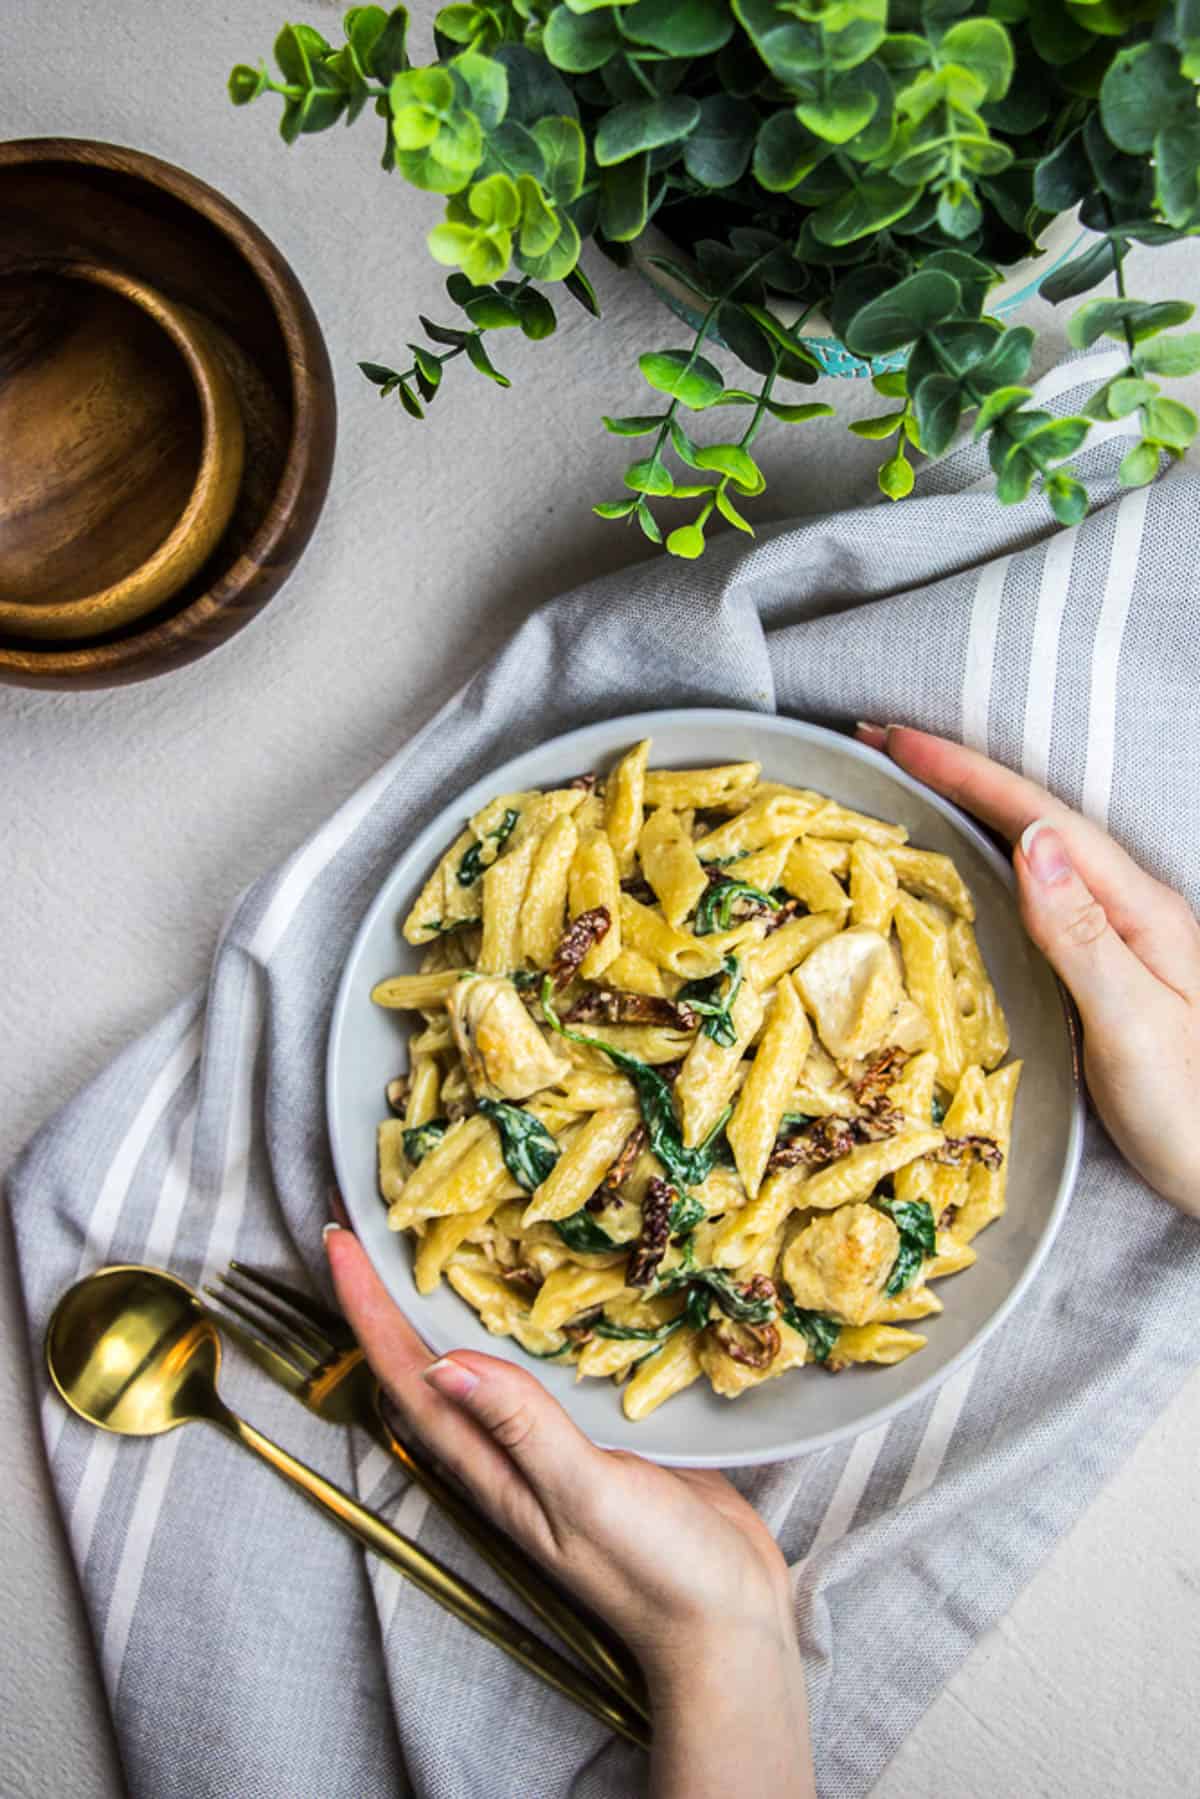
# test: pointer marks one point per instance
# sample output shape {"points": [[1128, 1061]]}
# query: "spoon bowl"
{"points": [[135, 1351]]}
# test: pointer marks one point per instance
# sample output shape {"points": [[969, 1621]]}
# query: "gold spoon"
{"points": [[135, 1351]]}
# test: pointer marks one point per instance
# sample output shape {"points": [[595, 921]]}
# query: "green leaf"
{"points": [[632, 426], [730, 513], [614, 508], [1015, 478], [715, 909], [918, 1238], [558, 261], [378, 374], [686, 541], [1125, 396], [647, 523], [409, 401], [840, 114], [487, 84], [443, 334], [820, 1331], [892, 384], [1068, 498], [718, 150], [580, 1232], [246, 84], [1000, 402], [1139, 466], [959, 213], [429, 369], [648, 476], [1178, 355], [480, 253], [296, 47], [876, 429], [478, 357], [985, 48], [581, 289], [561, 144], [784, 152], [698, 28], [796, 415], [1111, 318], [623, 200], [863, 210], [643, 125], [1170, 423], [472, 864], [1080, 274], [896, 477], [513, 150], [691, 379], [1005, 363], [897, 318], [385, 55], [535, 314], [539, 222], [530, 1152], [712, 997], [937, 405], [1057, 438], [1140, 90], [419, 1139], [579, 42], [1177, 169]]}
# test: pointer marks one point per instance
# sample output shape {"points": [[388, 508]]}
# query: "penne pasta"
{"points": [[624, 805]]}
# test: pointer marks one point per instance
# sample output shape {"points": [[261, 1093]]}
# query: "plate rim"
{"points": [[639, 725]]}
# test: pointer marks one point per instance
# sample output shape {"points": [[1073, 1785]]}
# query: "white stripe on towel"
{"points": [[1106, 654], [1043, 657]]}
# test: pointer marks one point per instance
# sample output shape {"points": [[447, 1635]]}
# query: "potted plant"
{"points": [[847, 166]]}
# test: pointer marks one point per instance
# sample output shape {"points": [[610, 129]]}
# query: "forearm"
{"points": [[732, 1717]]}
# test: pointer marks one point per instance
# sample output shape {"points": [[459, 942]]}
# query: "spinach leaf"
{"points": [[686, 1167], [715, 911], [714, 1006], [530, 1152], [705, 1285], [632, 1333], [821, 1332], [937, 1110], [914, 1220], [686, 1214], [795, 1121], [472, 864], [419, 1139], [581, 1232]]}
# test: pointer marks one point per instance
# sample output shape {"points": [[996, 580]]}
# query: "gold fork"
{"points": [[310, 1349]]}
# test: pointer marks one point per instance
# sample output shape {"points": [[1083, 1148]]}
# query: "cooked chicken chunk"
{"points": [[840, 1264], [851, 985], [505, 1053]]}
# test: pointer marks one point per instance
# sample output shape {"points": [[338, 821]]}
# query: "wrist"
{"points": [[735, 1656]]}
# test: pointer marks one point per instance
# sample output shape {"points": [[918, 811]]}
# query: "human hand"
{"points": [[674, 1560], [1126, 947]]}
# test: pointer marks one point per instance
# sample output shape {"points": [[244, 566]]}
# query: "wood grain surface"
{"points": [[99, 203]]}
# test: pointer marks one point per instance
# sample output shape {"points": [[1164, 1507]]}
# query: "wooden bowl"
{"points": [[71, 200], [123, 449]]}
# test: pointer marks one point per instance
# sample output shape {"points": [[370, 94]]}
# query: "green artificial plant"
{"points": [[876, 163]]}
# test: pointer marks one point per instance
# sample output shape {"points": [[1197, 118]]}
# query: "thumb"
{"points": [[522, 1418], [1072, 930]]}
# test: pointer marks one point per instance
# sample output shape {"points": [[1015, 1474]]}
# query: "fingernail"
{"points": [[874, 735], [451, 1378], [1045, 853], [333, 1225]]}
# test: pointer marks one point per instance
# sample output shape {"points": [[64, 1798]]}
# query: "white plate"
{"points": [[808, 1409]]}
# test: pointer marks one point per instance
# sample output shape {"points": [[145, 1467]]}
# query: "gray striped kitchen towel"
{"points": [[250, 1653]]}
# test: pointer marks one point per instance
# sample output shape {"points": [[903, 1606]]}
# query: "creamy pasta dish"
{"points": [[707, 1079]]}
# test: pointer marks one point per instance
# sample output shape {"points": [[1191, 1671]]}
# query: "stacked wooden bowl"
{"points": [[167, 416]]}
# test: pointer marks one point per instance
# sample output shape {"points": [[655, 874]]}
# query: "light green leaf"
{"points": [[495, 201], [1124, 396], [735, 462], [623, 200], [648, 476], [796, 415], [686, 541], [539, 222], [562, 146], [639, 425], [614, 508], [730, 513], [1178, 355], [246, 84], [487, 84], [876, 429], [479, 359], [1068, 498], [556, 263], [985, 48], [647, 522], [896, 477], [1170, 423], [1139, 466], [668, 372]]}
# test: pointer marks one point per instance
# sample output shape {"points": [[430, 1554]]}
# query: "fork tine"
{"points": [[244, 1282], [315, 1312], [271, 1356], [277, 1336]]}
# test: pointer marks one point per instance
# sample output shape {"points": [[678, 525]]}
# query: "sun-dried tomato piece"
{"points": [[823, 1141], [958, 1152], [578, 938], [651, 1246], [609, 1005]]}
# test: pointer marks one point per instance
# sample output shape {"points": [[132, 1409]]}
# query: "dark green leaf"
{"points": [[1080, 274], [696, 29], [563, 152], [388, 53], [724, 1290], [409, 401], [711, 999], [246, 84], [624, 200], [578, 42], [717, 152], [1142, 91], [633, 426], [999, 402], [863, 210], [1068, 499], [715, 910], [937, 405], [479, 359], [535, 315], [785, 152], [822, 1332], [377, 373], [580, 1232], [581, 289], [530, 1152], [631, 1333], [421, 1138], [473, 864], [1113, 318], [1015, 478], [642, 125], [915, 1222], [896, 318]]}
